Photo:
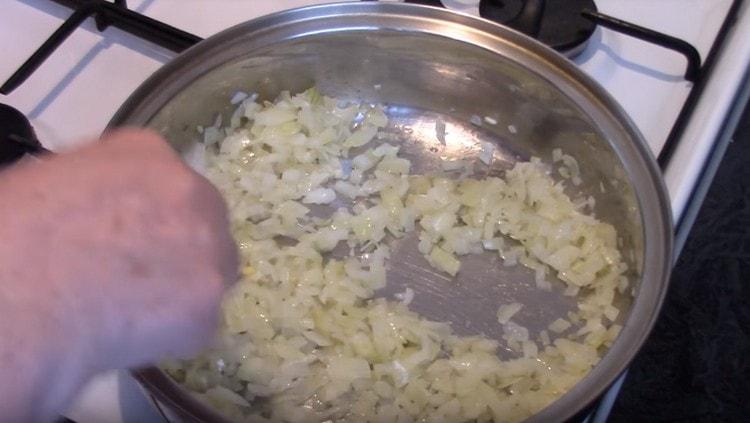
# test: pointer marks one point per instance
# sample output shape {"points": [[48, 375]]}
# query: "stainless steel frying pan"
{"points": [[427, 64]]}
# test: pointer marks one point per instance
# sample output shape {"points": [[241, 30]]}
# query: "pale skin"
{"points": [[112, 256]]}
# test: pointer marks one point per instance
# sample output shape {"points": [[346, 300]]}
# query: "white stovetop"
{"points": [[74, 94], [76, 91]]}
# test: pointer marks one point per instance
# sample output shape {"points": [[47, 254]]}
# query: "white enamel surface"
{"points": [[682, 173], [75, 93]]}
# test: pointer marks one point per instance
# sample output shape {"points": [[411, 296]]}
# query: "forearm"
{"points": [[44, 351], [43, 363], [113, 256]]}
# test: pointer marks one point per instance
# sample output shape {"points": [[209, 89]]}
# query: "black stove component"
{"points": [[718, 48], [525, 16], [105, 13], [566, 25], [645, 34], [556, 23], [17, 137]]}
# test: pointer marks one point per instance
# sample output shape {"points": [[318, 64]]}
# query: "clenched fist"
{"points": [[111, 256]]}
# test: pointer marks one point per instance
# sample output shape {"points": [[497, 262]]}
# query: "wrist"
{"points": [[45, 356], [48, 348]]}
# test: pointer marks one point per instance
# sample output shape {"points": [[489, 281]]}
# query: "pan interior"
{"points": [[423, 79], [427, 65]]}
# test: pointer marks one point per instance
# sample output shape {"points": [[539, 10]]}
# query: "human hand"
{"points": [[114, 255]]}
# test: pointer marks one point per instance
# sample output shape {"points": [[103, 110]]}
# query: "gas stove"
{"points": [[685, 106]]}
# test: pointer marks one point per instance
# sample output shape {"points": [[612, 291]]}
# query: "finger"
{"points": [[132, 135], [227, 257]]}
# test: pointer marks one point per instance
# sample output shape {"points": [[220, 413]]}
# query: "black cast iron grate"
{"points": [[565, 25]]}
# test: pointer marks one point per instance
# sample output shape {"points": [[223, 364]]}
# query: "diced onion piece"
{"points": [[275, 116], [320, 196], [361, 136], [559, 325], [493, 244], [488, 150], [544, 337], [222, 394], [406, 297], [507, 311], [444, 261], [440, 130], [238, 97], [348, 369], [303, 328]]}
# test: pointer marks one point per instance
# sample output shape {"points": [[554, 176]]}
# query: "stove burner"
{"points": [[17, 137], [556, 23]]}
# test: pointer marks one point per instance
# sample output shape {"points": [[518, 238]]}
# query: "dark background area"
{"points": [[695, 366]]}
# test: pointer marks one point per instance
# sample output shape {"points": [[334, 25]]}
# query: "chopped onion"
{"points": [[440, 130], [320, 196], [559, 325], [444, 261], [406, 297], [238, 97], [507, 311], [303, 337], [488, 150]]}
